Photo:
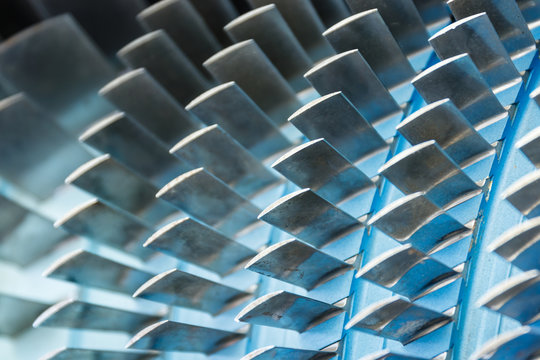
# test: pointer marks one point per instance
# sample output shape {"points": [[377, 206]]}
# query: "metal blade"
{"points": [[178, 288], [210, 200], [216, 14], [516, 297], [367, 32], [297, 263], [530, 146], [320, 167], [520, 245], [398, 319], [233, 110], [181, 21], [140, 96], [520, 344], [172, 69], [408, 272], [245, 61], [101, 223], [270, 31], [131, 145], [190, 240], [343, 72], [24, 235], [283, 353], [416, 220], [443, 122], [304, 22], [331, 11], [17, 314], [507, 21], [434, 13], [310, 218], [221, 155], [524, 195], [34, 147], [88, 354], [388, 355], [286, 310], [334, 118], [67, 86], [85, 268], [114, 183], [476, 36], [76, 314], [402, 19], [426, 167], [458, 79], [174, 336]]}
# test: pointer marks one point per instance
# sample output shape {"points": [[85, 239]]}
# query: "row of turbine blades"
{"points": [[205, 139]]}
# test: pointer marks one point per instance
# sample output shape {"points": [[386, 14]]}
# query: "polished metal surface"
{"points": [[310, 218], [174, 336], [116, 25], [181, 174], [334, 118], [297, 263], [398, 319], [271, 32], [220, 154], [506, 18], [18, 313], [228, 106], [133, 146], [458, 79], [416, 220], [172, 69], [426, 167], [389, 355], [408, 272], [140, 96], [524, 194], [217, 14], [76, 314], [530, 146], [86, 268], [24, 235], [320, 167], [186, 27], [530, 9], [34, 148], [434, 13], [245, 61], [88, 354], [476, 36], [75, 70], [283, 353], [343, 72], [104, 224], [367, 32], [193, 241], [519, 344], [520, 245], [331, 11], [304, 22], [205, 197], [402, 19], [516, 297], [443, 122], [179, 288], [115, 184], [286, 310]]}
